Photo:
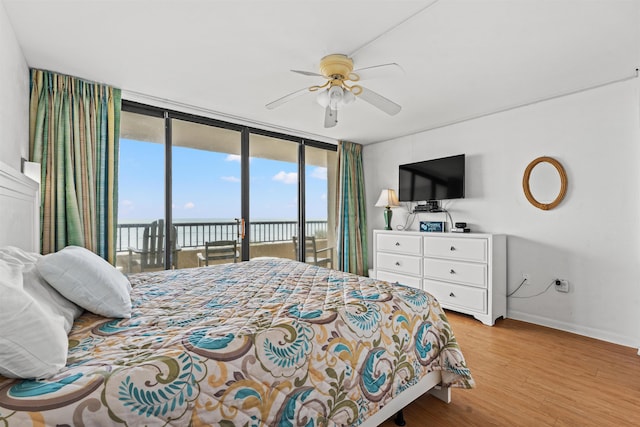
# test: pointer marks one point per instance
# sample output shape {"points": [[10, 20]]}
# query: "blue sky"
{"points": [[206, 185]]}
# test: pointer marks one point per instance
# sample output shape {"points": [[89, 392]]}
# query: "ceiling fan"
{"points": [[336, 92]]}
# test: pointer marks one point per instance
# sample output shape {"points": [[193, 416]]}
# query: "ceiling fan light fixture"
{"points": [[348, 97], [335, 97], [336, 93], [323, 98]]}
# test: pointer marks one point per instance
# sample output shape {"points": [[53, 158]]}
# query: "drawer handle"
{"points": [[452, 271], [452, 295], [397, 243], [398, 263], [453, 248]]}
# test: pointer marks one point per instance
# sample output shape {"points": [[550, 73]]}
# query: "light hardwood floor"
{"points": [[529, 375]]}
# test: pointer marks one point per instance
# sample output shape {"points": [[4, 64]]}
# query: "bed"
{"points": [[270, 342]]}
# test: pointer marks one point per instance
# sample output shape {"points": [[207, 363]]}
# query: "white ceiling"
{"points": [[461, 59]]}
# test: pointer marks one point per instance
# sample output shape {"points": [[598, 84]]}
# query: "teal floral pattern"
{"points": [[263, 343]]}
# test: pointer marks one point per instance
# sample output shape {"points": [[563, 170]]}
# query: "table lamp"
{"points": [[387, 199]]}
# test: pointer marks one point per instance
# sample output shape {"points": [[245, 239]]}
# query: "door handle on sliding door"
{"points": [[240, 224]]}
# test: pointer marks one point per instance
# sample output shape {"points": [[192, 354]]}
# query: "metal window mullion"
{"points": [[301, 203], [168, 222], [245, 188]]}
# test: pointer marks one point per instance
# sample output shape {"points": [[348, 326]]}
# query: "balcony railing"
{"points": [[195, 234]]}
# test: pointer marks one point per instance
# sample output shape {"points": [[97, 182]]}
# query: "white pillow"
{"points": [[88, 280], [16, 255], [34, 284], [33, 343]]}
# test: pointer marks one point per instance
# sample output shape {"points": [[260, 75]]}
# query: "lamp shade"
{"points": [[387, 198]]}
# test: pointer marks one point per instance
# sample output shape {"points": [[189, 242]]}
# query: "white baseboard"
{"points": [[576, 329]]}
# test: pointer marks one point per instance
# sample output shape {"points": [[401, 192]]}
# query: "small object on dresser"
{"points": [[432, 226], [460, 225], [422, 208], [460, 230]]}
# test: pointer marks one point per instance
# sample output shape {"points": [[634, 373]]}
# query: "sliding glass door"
{"points": [[277, 189], [206, 198], [194, 191], [141, 193], [273, 220], [319, 190]]}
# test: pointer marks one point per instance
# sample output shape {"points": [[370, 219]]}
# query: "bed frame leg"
{"points": [[442, 393], [400, 419]]}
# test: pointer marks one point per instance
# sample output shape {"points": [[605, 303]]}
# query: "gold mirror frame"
{"points": [[563, 183]]}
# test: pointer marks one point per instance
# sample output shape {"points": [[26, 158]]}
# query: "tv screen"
{"points": [[437, 179]]}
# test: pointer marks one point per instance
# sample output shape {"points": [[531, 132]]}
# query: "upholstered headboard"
{"points": [[19, 210]]}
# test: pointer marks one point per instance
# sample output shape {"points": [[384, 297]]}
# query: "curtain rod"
{"points": [[225, 116], [525, 104]]}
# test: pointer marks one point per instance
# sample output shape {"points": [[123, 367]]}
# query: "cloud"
{"points": [[230, 178], [189, 205], [236, 158], [286, 177], [126, 206], [319, 173], [324, 196]]}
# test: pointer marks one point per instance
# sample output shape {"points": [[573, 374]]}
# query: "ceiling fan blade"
{"points": [[330, 117], [377, 71], [380, 101], [278, 102], [307, 73]]}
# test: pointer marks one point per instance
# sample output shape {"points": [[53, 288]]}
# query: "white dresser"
{"points": [[465, 272]]}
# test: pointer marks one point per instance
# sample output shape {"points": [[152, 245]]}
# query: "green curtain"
{"points": [[74, 129], [351, 215]]}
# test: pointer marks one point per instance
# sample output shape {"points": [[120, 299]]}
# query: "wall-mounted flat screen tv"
{"points": [[437, 179]]}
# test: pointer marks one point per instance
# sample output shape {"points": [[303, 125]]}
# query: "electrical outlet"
{"points": [[562, 285], [525, 276]]}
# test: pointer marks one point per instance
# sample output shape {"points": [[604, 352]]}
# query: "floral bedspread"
{"points": [[261, 343]]}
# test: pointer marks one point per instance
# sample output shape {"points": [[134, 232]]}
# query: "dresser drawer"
{"points": [[387, 276], [399, 263], [457, 296], [456, 271], [400, 244], [453, 248]]}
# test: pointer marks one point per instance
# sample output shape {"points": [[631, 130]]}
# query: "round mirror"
{"points": [[544, 183]]}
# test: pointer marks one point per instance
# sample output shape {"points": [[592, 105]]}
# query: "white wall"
{"points": [[591, 238], [14, 96]]}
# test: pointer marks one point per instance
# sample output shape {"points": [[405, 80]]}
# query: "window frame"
{"points": [[245, 131]]}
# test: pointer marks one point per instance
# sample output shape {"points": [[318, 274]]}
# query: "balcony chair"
{"points": [[218, 250], [311, 252], [151, 256]]}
